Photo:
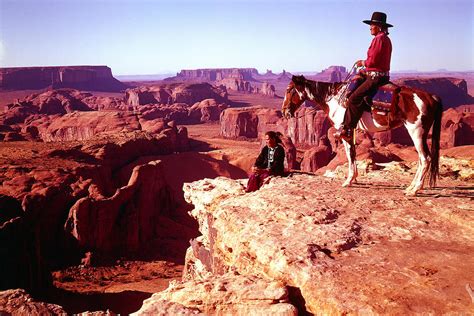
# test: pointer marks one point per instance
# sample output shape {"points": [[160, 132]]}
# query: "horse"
{"points": [[417, 110]]}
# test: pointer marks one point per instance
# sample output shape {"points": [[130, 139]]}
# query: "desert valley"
{"points": [[124, 196]]}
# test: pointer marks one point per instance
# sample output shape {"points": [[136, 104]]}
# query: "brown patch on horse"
{"points": [[406, 108], [430, 103]]}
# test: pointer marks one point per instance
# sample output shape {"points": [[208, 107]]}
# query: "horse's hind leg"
{"points": [[351, 158], [418, 135]]}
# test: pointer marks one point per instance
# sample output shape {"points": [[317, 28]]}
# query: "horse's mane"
{"points": [[321, 89]]}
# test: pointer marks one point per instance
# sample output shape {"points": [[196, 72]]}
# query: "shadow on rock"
{"points": [[122, 303]]}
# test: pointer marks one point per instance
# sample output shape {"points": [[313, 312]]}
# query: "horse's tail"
{"points": [[435, 138]]}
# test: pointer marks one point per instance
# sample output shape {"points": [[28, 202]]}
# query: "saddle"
{"points": [[382, 102]]}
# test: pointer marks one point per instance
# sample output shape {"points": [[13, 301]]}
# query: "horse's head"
{"points": [[295, 96]]}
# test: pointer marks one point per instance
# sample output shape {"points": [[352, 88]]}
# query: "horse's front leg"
{"points": [[351, 158]]}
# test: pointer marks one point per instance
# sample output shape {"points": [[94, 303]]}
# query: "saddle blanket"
{"points": [[382, 101]]}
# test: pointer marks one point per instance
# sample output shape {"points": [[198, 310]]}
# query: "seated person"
{"points": [[268, 163]]}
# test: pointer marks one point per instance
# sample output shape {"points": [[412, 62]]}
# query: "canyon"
{"points": [[108, 198]]}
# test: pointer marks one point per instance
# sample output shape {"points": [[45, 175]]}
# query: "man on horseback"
{"points": [[376, 74]]}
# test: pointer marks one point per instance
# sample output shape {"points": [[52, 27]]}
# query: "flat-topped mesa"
{"points": [[331, 74], [95, 78], [218, 74]]}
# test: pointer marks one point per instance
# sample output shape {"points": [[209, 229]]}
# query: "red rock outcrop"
{"points": [[227, 294], [175, 93], [267, 89], [247, 86], [84, 125], [250, 122], [18, 302], [206, 111], [147, 95], [59, 101], [128, 219], [457, 128], [66, 114], [47, 179], [453, 92], [331, 74], [308, 126], [320, 239], [238, 85], [316, 158], [100, 103], [216, 74], [93, 78]]}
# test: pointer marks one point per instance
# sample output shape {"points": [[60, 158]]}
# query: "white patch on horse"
{"points": [[336, 112], [367, 123], [422, 108], [419, 104]]}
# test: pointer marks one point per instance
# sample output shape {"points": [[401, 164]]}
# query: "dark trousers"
{"points": [[356, 102], [257, 179]]}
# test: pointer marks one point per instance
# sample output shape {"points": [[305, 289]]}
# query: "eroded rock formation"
{"points": [[96, 184], [227, 294], [217, 74], [250, 122], [453, 91], [18, 302], [188, 93], [95, 78], [309, 233]]}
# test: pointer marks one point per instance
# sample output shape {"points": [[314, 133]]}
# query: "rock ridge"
{"points": [[413, 254]]}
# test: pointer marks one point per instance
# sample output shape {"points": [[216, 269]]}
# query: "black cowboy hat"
{"points": [[378, 18]]}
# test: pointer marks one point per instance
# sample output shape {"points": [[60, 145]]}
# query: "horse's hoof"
{"points": [[410, 192], [346, 184]]}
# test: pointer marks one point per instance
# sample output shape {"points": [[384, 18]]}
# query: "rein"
{"points": [[346, 86]]}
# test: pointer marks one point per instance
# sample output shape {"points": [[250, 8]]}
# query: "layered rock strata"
{"points": [[385, 253], [95, 78], [116, 203], [217, 74]]}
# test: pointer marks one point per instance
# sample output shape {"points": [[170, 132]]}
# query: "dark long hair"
{"points": [[274, 135]]}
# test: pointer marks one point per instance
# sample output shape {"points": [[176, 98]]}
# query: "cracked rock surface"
{"points": [[364, 249]]}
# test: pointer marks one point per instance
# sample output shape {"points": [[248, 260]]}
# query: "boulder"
{"points": [[206, 111]]}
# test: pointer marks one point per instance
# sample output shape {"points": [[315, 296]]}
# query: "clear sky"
{"points": [[163, 36]]}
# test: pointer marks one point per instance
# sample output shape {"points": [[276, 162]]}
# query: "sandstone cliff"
{"points": [[94, 78], [62, 199], [334, 252], [453, 91]]}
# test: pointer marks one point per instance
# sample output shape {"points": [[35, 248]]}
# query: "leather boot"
{"points": [[344, 133]]}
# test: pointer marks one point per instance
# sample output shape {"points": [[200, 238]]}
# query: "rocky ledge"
{"points": [[364, 249]]}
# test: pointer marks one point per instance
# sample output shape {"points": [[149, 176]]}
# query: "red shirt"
{"points": [[379, 53]]}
